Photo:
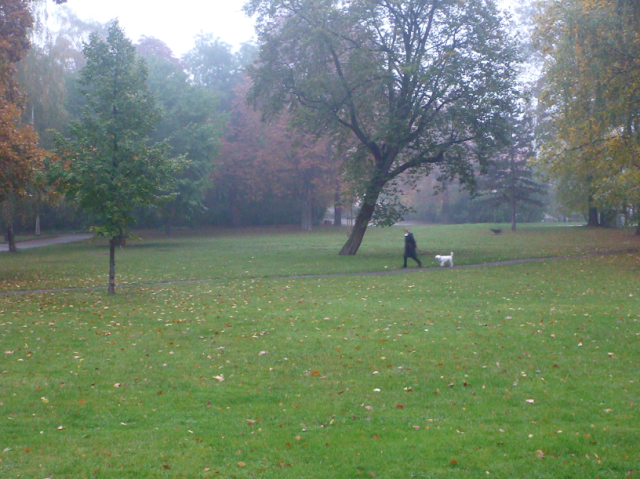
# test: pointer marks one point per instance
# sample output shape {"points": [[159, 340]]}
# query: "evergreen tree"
{"points": [[510, 178]]}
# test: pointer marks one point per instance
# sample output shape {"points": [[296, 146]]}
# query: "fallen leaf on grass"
{"points": [[241, 464], [530, 401], [539, 454], [315, 373], [368, 408], [60, 428], [399, 406], [250, 422], [219, 378]]}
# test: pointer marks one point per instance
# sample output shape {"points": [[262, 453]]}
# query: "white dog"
{"points": [[444, 259]]}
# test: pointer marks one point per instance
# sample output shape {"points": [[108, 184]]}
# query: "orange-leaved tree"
{"points": [[269, 167], [19, 152]]}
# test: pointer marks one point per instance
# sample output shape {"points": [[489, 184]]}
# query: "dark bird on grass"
{"points": [[495, 232]]}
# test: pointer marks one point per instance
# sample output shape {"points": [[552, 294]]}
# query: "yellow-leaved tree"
{"points": [[592, 99]]}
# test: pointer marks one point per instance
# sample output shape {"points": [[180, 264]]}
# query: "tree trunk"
{"points": [[112, 265], [38, 232], [593, 214], [233, 208], [364, 215], [306, 210], [357, 232], [11, 238], [337, 207], [513, 214], [445, 217]]}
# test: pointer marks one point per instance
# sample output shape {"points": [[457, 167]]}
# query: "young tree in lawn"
{"points": [[109, 165], [418, 83], [19, 152]]}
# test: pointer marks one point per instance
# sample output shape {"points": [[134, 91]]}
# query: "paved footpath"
{"points": [[70, 238]]}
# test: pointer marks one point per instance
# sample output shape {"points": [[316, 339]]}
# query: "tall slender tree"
{"points": [[19, 152], [109, 165]]}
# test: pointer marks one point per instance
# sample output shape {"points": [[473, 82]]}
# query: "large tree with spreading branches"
{"points": [[416, 83]]}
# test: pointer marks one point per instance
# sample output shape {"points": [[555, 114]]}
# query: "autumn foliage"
{"points": [[264, 163], [19, 152]]}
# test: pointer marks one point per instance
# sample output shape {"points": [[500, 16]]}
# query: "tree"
{"points": [[190, 124], [418, 83], [50, 68], [19, 152], [215, 67], [270, 172], [592, 98], [108, 165], [510, 179]]}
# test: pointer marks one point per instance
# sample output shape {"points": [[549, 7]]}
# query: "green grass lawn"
{"points": [[274, 252], [527, 370]]}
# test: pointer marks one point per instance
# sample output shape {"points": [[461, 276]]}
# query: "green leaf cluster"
{"points": [[108, 164], [413, 83]]}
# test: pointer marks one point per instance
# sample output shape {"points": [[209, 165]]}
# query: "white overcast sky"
{"points": [[174, 22]]}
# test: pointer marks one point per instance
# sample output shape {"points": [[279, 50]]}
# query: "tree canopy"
{"points": [[19, 152], [109, 165], [591, 97], [417, 83]]}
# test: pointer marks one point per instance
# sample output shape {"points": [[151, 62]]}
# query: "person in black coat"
{"points": [[410, 248]]}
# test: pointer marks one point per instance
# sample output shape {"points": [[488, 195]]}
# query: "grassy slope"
{"points": [[130, 379]]}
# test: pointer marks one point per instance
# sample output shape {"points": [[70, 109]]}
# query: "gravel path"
{"points": [[37, 243], [335, 275]]}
